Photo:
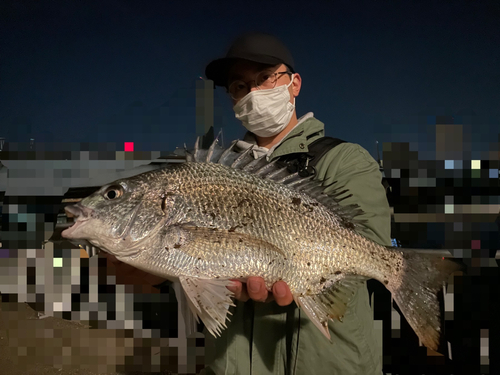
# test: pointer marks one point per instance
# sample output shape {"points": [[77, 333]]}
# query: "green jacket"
{"points": [[264, 338]]}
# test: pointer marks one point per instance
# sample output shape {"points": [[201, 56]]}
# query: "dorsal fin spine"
{"points": [[196, 151], [212, 147], [272, 175], [226, 153], [242, 158], [265, 169]]}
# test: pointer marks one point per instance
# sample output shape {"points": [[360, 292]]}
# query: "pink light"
{"points": [[476, 244], [129, 146]]}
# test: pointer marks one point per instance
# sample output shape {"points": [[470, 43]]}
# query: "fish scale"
{"points": [[223, 215]]}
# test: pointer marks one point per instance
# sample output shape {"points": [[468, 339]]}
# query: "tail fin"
{"points": [[421, 278]]}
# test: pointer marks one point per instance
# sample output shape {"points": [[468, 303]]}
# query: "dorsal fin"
{"points": [[211, 151], [278, 174], [274, 171], [266, 168], [255, 164], [244, 159], [228, 156], [214, 151]]}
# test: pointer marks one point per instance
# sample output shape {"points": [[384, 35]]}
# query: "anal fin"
{"points": [[190, 319], [209, 300], [331, 303]]}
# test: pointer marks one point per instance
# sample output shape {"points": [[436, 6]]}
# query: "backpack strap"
{"points": [[305, 162]]}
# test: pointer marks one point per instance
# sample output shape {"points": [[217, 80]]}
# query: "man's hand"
{"points": [[255, 288]]}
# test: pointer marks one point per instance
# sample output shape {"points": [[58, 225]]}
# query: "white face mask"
{"points": [[266, 112]]}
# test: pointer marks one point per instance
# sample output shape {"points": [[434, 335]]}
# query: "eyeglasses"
{"points": [[264, 80]]}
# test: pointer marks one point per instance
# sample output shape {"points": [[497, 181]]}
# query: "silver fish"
{"points": [[225, 215]]}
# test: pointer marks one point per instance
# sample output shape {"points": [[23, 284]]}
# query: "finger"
{"points": [[256, 289], [282, 294], [239, 290]]}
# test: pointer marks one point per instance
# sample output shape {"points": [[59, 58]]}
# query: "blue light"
{"points": [[394, 242]]}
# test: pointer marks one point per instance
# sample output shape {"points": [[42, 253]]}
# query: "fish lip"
{"points": [[81, 215]]}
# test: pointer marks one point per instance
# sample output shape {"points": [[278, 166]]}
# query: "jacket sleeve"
{"points": [[353, 168]]}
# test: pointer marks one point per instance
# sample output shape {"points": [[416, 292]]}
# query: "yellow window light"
{"points": [[475, 164]]}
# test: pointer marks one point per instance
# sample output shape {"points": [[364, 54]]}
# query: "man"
{"points": [[275, 337]]}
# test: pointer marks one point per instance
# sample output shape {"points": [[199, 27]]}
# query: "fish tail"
{"points": [[421, 278]]}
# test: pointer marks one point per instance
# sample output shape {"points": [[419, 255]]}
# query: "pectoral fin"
{"points": [[332, 303], [209, 300]]}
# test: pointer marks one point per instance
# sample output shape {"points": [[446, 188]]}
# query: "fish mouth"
{"points": [[81, 214]]}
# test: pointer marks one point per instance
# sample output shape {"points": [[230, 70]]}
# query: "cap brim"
{"points": [[218, 70]]}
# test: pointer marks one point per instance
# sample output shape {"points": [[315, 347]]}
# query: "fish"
{"points": [[225, 215]]}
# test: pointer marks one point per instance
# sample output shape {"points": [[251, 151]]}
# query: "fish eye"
{"points": [[113, 192]]}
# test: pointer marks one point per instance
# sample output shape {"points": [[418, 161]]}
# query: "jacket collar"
{"points": [[295, 142], [299, 138]]}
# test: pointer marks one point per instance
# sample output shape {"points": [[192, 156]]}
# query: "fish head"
{"points": [[120, 217]]}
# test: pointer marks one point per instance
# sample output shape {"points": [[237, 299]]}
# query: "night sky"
{"points": [[117, 71]]}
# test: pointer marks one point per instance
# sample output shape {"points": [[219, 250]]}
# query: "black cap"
{"points": [[256, 47]]}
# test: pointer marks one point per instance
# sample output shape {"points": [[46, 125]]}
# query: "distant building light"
{"points": [[449, 208], [494, 173], [129, 146], [58, 262], [475, 164], [449, 164]]}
